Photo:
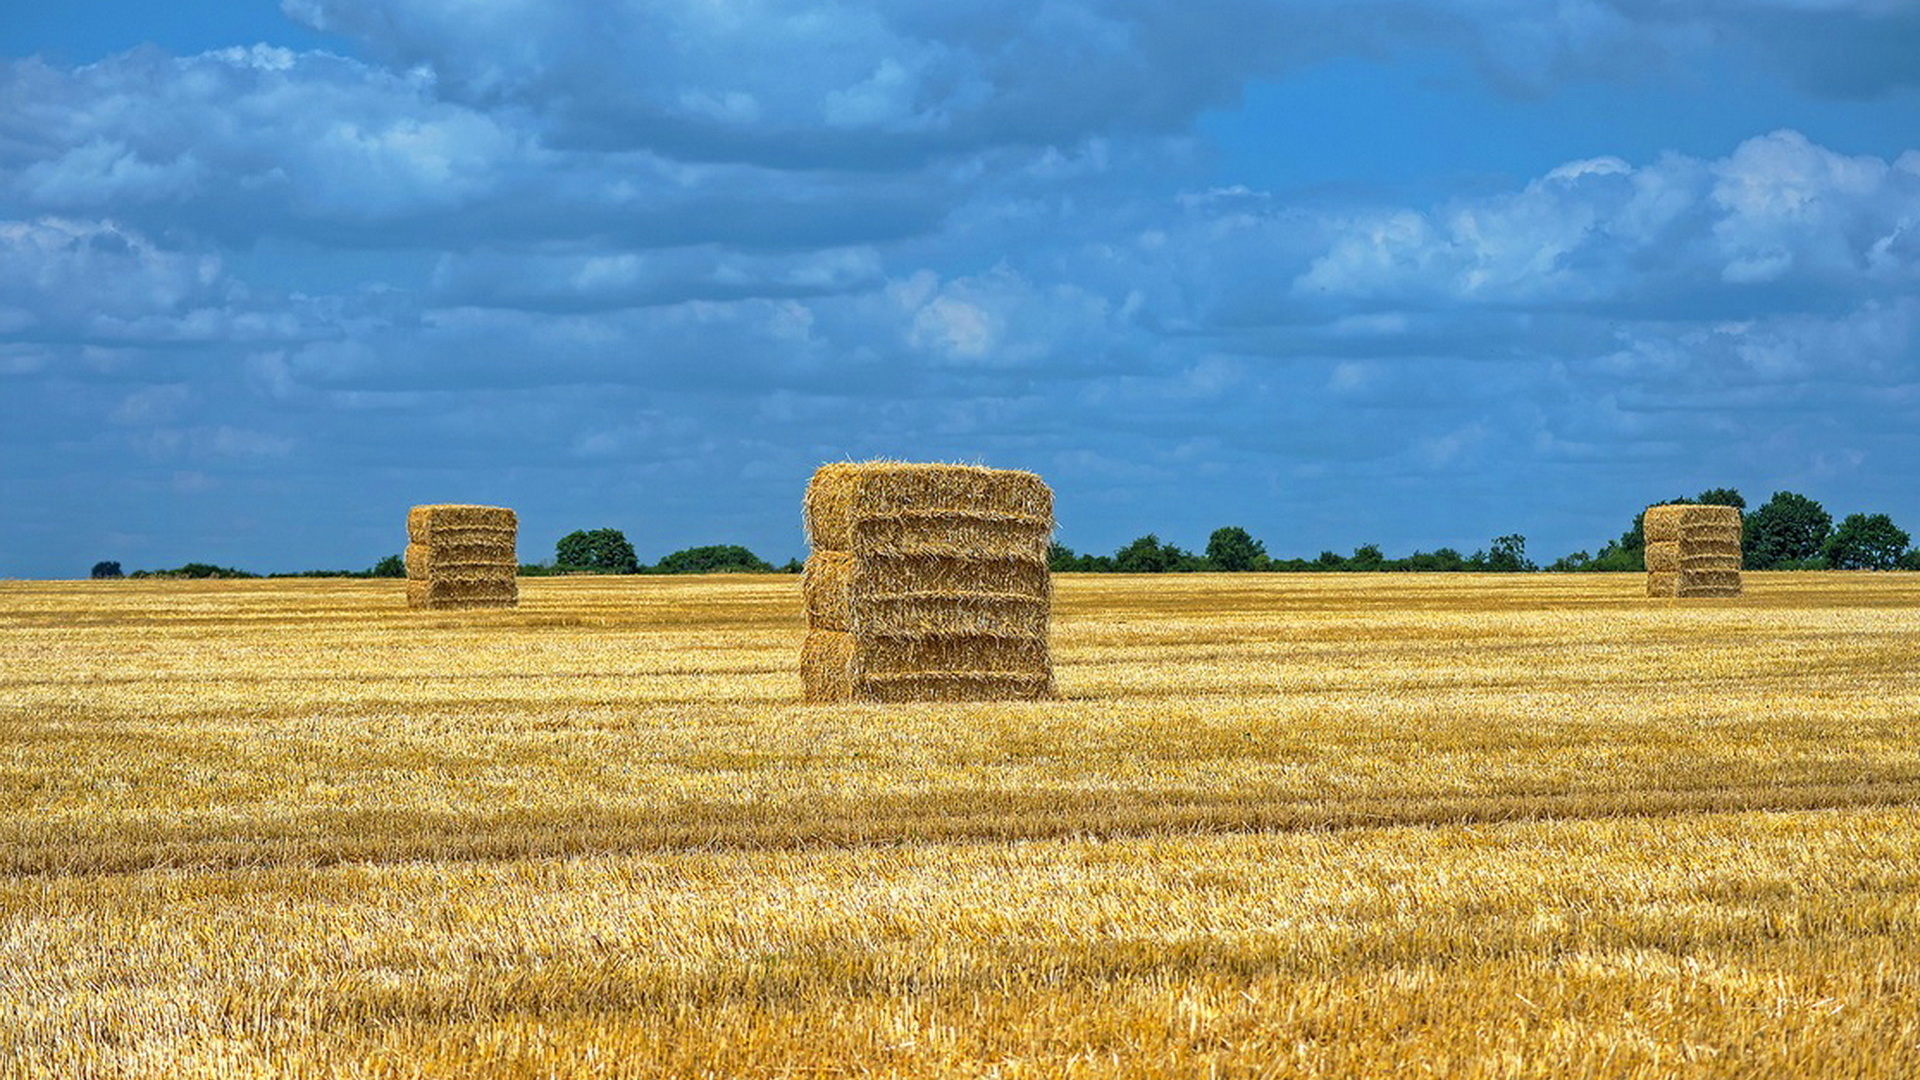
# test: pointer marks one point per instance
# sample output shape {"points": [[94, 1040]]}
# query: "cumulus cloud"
{"points": [[619, 279], [94, 280], [242, 143], [886, 84], [1779, 210]]}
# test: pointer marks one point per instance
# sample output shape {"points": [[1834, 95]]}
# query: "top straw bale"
{"points": [[424, 522], [881, 505], [1687, 520]]}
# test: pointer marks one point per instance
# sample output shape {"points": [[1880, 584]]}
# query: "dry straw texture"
{"points": [[1315, 826], [926, 583], [1693, 550], [462, 557]]}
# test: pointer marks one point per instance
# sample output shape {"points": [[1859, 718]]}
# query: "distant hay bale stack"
{"points": [[1693, 550], [926, 583], [462, 557]]}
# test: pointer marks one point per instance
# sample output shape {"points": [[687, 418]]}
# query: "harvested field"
{"points": [[1285, 825]]}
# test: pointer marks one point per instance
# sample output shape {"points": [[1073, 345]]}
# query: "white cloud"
{"points": [[1778, 209]]}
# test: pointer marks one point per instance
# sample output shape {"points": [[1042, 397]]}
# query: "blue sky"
{"points": [[1412, 273]]}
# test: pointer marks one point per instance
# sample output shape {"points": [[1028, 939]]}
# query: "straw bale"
{"points": [[957, 686], [911, 655], [1669, 522], [447, 520], [903, 596], [953, 535], [827, 586], [1693, 550], [826, 666], [836, 666], [1663, 556], [923, 502], [427, 560], [1694, 583], [440, 592], [462, 556], [973, 615], [926, 582]]}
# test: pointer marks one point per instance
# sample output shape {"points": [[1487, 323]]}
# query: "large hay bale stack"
{"points": [[926, 583], [1693, 550], [462, 557]]}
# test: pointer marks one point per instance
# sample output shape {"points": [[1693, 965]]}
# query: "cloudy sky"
{"points": [[1414, 273]]}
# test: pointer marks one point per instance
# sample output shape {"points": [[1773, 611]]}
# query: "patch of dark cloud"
{"points": [[240, 144]]}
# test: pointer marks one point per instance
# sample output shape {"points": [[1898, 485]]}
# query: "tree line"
{"points": [[607, 551], [1787, 532], [1233, 550], [586, 551]]}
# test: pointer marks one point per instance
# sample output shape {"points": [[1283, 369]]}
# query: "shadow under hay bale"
{"points": [[462, 557], [926, 583]]}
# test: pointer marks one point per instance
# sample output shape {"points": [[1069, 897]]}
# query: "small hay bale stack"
{"points": [[1693, 550], [926, 583], [462, 557]]}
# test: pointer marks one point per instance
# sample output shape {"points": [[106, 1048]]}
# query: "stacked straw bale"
{"points": [[926, 583], [462, 557], [1693, 550]]}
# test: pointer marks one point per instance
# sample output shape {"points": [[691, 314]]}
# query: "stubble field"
{"points": [[1318, 825]]}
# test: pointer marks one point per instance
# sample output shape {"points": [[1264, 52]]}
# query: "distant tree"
{"points": [[1443, 559], [793, 566], [1721, 497], [391, 566], [1787, 528], [1866, 542], [106, 569], [605, 550], [1509, 554], [1061, 558], [1148, 555], [713, 559], [1367, 557], [1233, 549], [1330, 560], [1911, 560], [1572, 563], [195, 570]]}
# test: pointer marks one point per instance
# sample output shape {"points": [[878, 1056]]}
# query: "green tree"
{"points": [[1148, 555], [1509, 554], [1367, 557], [1866, 542], [106, 569], [1787, 528], [1721, 497], [391, 566], [603, 550], [713, 559], [1061, 558], [1234, 549], [1442, 559]]}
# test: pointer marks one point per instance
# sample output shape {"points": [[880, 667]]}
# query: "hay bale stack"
{"points": [[1693, 550], [462, 557], [926, 583]]}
